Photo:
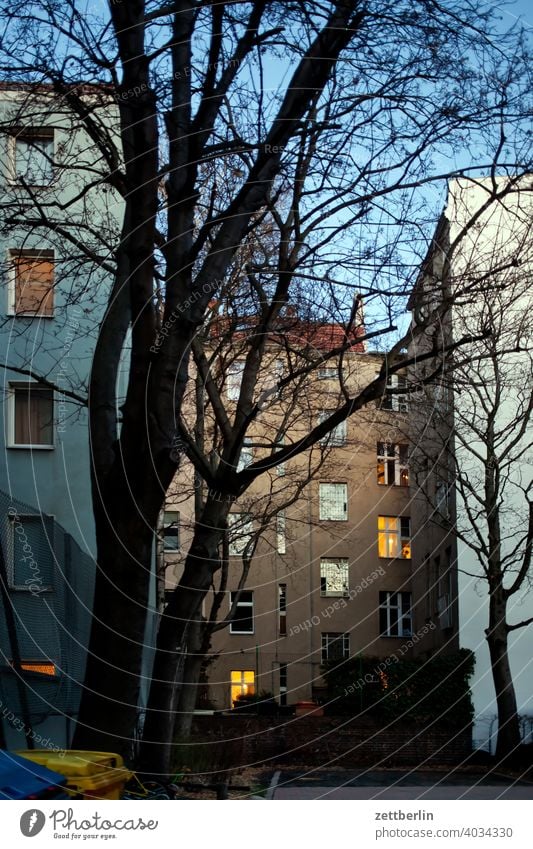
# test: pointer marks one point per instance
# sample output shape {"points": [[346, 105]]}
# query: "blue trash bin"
{"points": [[23, 779]]}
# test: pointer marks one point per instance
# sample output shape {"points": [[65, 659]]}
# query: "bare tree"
{"points": [[373, 99], [474, 426]]}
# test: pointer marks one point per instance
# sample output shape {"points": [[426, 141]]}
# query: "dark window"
{"points": [[243, 620]]}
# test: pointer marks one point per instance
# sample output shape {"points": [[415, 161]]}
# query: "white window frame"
{"points": [[328, 565], [241, 603], [391, 603], [325, 515], [326, 642], [164, 526], [246, 456], [397, 454], [397, 402], [282, 609], [12, 254], [395, 536], [10, 407], [27, 132], [335, 437], [234, 377], [281, 532], [237, 547]]}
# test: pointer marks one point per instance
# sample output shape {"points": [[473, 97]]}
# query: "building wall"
{"points": [[309, 613]]}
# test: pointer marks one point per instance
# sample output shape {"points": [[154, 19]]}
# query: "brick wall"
{"points": [[336, 741]]}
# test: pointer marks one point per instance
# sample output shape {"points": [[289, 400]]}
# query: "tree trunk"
{"points": [[173, 635], [497, 639], [189, 688], [109, 710]]}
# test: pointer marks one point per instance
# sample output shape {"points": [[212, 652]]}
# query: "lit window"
{"points": [[246, 456], [240, 529], [31, 416], [31, 553], [234, 380], [31, 290], [242, 684], [34, 156], [396, 397], [337, 436], [281, 541], [395, 614], [243, 618], [171, 530], [282, 609], [394, 536], [335, 647], [333, 502], [392, 468], [334, 577], [38, 667]]}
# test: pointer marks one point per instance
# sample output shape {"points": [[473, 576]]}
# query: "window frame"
{"points": [[164, 526], [281, 532], [396, 402], [339, 562], [20, 134], [233, 391], [44, 254], [398, 460], [282, 610], [325, 644], [244, 536], [12, 388], [386, 608], [401, 537], [321, 499], [240, 604], [337, 437]]}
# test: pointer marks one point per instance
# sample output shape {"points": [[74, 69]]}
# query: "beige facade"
{"points": [[342, 571]]}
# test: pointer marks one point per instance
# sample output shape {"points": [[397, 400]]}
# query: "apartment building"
{"points": [[339, 561], [58, 224]]}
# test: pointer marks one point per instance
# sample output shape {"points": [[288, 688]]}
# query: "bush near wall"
{"points": [[436, 689]]}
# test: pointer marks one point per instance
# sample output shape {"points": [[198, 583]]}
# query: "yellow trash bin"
{"points": [[90, 775]]}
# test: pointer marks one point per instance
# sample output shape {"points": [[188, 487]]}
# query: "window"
{"points": [[327, 373], [38, 667], [234, 380], [334, 577], [171, 530], [31, 553], [280, 468], [393, 466], [283, 684], [442, 498], [281, 541], [394, 536], [31, 416], [282, 609], [243, 619], [335, 647], [31, 283], [337, 436], [396, 397], [333, 502], [242, 684], [240, 529], [246, 456], [34, 156], [395, 614]]}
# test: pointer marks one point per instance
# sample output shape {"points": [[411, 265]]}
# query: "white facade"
{"points": [[492, 255]]}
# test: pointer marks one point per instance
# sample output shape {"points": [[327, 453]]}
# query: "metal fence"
{"points": [[45, 612]]}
